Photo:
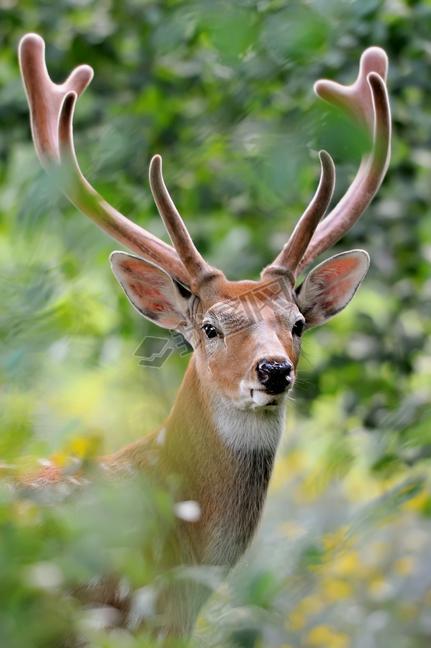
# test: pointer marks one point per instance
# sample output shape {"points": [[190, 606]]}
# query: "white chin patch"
{"points": [[250, 423], [261, 398]]}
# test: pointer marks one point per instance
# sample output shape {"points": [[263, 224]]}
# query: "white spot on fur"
{"points": [[99, 618], [189, 511], [143, 606]]}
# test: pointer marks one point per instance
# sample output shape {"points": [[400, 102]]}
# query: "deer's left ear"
{"points": [[151, 290], [330, 286]]}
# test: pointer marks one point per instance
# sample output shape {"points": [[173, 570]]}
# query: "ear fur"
{"points": [[151, 290], [330, 286]]}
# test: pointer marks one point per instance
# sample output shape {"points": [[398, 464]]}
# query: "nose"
{"points": [[274, 375]]}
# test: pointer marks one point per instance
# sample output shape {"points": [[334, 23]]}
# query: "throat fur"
{"points": [[240, 507]]}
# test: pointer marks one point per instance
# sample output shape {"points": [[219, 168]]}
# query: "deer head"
{"points": [[245, 334]]}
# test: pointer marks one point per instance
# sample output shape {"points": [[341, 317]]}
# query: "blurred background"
{"points": [[224, 91]]}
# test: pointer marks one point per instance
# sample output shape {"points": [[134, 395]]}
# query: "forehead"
{"points": [[248, 301]]}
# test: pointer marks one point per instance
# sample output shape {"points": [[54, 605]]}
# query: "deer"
{"points": [[221, 435]]}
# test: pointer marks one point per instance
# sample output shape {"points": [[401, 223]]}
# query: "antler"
{"points": [[52, 107], [367, 101], [196, 265], [292, 252]]}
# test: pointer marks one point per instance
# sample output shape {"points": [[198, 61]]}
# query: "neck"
{"points": [[224, 457]]}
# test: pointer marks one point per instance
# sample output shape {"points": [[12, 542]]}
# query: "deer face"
{"points": [[246, 334], [248, 342]]}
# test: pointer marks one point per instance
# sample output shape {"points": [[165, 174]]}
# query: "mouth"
{"points": [[255, 396], [264, 398]]}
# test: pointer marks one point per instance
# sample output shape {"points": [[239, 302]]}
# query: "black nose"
{"points": [[274, 375]]}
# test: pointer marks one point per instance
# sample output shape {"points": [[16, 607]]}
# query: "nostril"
{"points": [[286, 368], [274, 375], [263, 367]]}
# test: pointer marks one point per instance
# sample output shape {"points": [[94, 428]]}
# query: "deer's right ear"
{"points": [[151, 290]]}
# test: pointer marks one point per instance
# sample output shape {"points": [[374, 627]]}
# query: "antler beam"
{"points": [[52, 107], [367, 101]]}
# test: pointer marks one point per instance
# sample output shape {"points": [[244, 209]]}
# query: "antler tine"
{"points": [[290, 256], [45, 97], [196, 265], [367, 100], [52, 107]]}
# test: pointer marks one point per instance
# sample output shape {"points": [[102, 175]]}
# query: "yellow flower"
{"points": [[313, 485], [347, 564], [404, 566], [408, 611], [296, 620], [60, 459], [296, 461], [337, 539], [279, 476], [336, 590], [299, 616], [85, 447], [287, 467], [292, 530], [322, 636], [360, 486], [418, 502], [379, 588]]}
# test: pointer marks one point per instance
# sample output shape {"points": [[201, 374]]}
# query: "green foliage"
{"points": [[224, 91]]}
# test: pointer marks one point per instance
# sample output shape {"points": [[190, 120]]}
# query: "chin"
{"points": [[261, 399]]}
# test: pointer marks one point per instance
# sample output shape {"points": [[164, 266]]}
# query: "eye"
{"points": [[298, 327], [210, 331]]}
